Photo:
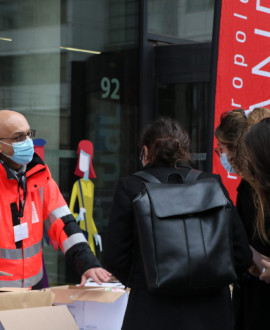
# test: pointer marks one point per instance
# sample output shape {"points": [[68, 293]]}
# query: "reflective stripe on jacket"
{"points": [[44, 205]]}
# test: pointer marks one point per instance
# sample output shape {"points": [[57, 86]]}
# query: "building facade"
{"points": [[101, 70]]}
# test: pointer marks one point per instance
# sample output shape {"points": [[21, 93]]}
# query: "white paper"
{"points": [[90, 283], [20, 232]]}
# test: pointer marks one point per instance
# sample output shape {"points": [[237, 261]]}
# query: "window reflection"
{"points": [[188, 102], [191, 20], [71, 66]]}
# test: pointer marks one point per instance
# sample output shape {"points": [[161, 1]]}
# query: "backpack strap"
{"points": [[147, 177], [191, 177]]}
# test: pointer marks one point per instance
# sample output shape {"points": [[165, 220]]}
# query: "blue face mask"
{"points": [[225, 163], [23, 152]]}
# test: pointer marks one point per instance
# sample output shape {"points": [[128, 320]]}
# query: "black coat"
{"points": [[147, 311], [251, 298]]}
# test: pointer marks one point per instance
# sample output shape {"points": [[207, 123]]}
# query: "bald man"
{"points": [[29, 200]]}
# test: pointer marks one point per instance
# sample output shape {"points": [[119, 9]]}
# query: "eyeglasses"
{"points": [[218, 151], [22, 137]]}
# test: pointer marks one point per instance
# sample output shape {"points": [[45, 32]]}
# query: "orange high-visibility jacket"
{"points": [[44, 207]]}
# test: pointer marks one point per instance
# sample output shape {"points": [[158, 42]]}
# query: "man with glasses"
{"points": [[29, 200]]}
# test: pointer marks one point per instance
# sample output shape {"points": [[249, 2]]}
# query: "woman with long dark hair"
{"points": [[250, 294], [165, 150], [257, 143]]}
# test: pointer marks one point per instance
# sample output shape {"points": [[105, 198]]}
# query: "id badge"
{"points": [[20, 232]]}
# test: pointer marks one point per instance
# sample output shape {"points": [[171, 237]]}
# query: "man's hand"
{"points": [[98, 275]]}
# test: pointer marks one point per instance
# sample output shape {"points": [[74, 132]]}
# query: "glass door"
{"points": [[182, 92]]}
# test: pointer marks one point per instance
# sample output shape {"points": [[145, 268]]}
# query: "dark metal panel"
{"points": [[146, 80], [183, 63]]}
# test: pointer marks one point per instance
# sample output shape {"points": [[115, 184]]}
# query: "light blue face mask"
{"points": [[23, 151], [225, 163]]}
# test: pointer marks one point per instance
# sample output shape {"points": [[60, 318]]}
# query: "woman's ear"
{"points": [[145, 155]]}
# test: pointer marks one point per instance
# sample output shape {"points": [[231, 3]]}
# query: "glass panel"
{"points": [[71, 67], [99, 95], [186, 19], [187, 102]]}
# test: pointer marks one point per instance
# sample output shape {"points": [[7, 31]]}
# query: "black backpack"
{"points": [[184, 233]]}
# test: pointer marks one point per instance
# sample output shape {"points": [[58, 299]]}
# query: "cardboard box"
{"points": [[94, 308], [17, 298], [41, 318]]}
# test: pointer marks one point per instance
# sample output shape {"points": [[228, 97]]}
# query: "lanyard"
{"points": [[23, 185]]}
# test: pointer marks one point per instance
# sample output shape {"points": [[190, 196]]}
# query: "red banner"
{"points": [[243, 68]]}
